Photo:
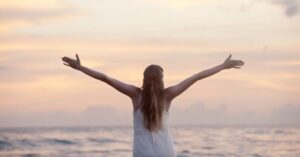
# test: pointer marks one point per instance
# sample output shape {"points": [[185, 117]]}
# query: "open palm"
{"points": [[230, 63], [74, 63]]}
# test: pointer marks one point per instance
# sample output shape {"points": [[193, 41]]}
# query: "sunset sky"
{"points": [[122, 37]]}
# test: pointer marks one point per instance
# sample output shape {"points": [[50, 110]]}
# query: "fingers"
{"points": [[77, 57], [228, 58], [237, 62], [67, 59], [242, 63], [66, 64]]}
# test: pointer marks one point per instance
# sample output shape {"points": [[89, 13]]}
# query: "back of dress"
{"points": [[152, 144]]}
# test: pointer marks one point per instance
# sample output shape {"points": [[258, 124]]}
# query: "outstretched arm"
{"points": [[124, 88], [173, 91]]}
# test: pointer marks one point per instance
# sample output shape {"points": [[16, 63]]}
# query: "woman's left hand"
{"points": [[230, 63]]}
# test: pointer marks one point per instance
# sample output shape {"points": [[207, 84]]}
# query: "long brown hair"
{"points": [[153, 99]]}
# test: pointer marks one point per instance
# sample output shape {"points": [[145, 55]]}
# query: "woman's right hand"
{"points": [[75, 64]]}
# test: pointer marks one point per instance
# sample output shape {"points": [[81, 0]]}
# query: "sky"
{"points": [[122, 37]]}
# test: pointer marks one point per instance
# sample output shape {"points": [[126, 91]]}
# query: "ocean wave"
{"points": [[59, 141], [207, 147], [256, 155], [106, 140], [27, 143], [102, 140], [5, 145], [31, 155], [122, 150]]}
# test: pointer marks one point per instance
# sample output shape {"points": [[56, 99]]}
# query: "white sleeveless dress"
{"points": [[152, 144]]}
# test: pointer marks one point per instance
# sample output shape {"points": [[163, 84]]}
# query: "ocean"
{"points": [[190, 141]]}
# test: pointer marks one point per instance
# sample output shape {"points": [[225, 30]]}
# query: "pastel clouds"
{"points": [[121, 38], [198, 114], [14, 14], [292, 7]]}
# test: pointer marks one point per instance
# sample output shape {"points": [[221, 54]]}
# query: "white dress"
{"points": [[152, 144]]}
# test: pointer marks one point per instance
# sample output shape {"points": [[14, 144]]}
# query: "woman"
{"points": [[151, 104]]}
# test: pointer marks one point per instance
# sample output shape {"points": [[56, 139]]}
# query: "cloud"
{"points": [[287, 114], [14, 14], [291, 6], [200, 114], [183, 4], [92, 116], [32, 15], [4, 68], [195, 114]]}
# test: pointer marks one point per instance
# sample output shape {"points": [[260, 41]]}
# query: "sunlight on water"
{"points": [[117, 141]]}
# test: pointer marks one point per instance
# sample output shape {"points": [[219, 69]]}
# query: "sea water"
{"points": [[190, 141]]}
